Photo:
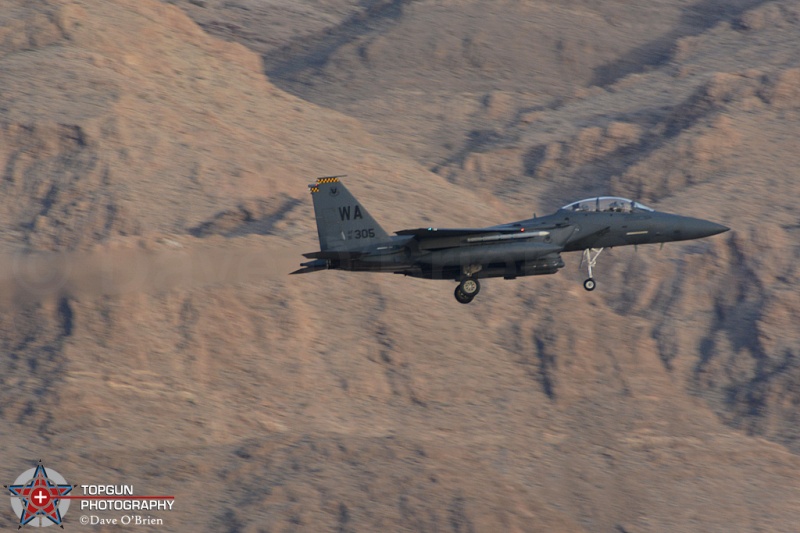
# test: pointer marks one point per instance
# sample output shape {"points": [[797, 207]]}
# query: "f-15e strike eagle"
{"points": [[350, 239]]}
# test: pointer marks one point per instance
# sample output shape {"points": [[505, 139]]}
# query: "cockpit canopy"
{"points": [[606, 204]]}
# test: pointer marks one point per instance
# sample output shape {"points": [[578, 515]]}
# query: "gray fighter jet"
{"points": [[350, 239]]}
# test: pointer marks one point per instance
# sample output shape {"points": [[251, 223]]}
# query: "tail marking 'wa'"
{"points": [[342, 222]]}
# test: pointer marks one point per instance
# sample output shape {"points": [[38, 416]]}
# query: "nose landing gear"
{"points": [[590, 257]]}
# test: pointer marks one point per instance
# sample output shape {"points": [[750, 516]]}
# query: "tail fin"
{"points": [[342, 222]]}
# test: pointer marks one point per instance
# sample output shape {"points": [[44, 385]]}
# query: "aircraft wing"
{"points": [[437, 239], [437, 233]]}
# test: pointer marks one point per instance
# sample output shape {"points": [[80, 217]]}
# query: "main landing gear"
{"points": [[467, 290], [590, 256], [469, 287]]}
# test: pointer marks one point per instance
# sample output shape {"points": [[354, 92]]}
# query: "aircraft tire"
{"points": [[461, 297], [589, 284], [470, 287]]}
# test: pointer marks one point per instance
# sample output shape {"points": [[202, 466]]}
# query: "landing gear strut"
{"points": [[590, 257], [467, 290]]}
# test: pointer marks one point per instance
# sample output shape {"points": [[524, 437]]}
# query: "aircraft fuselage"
{"points": [[352, 240]]}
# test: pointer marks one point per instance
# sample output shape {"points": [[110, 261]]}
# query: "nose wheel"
{"points": [[467, 290], [590, 257]]}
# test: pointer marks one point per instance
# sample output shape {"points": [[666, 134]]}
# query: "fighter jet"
{"points": [[350, 239]]}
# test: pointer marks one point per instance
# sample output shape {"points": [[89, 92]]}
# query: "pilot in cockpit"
{"points": [[616, 206]]}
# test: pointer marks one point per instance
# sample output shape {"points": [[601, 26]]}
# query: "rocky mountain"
{"points": [[154, 179]]}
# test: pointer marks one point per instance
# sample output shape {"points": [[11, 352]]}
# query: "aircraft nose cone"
{"points": [[698, 228], [718, 228]]}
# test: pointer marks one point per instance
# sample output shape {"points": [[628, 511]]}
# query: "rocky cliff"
{"points": [[154, 195]]}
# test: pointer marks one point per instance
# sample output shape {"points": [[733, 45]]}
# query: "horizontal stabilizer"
{"points": [[312, 266], [331, 254]]}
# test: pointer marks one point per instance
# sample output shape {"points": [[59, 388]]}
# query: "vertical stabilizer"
{"points": [[342, 222]]}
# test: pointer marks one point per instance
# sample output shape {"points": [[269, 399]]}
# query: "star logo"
{"points": [[37, 494], [334, 191]]}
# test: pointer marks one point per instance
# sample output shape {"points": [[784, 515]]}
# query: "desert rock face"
{"points": [[154, 160]]}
